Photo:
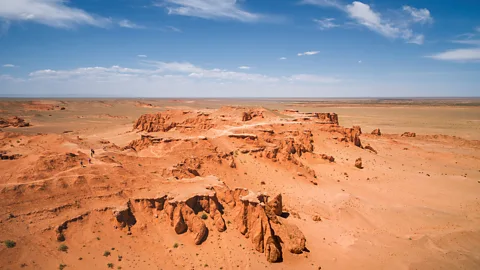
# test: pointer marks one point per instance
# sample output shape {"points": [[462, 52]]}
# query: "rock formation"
{"points": [[13, 122], [376, 132], [246, 116]]}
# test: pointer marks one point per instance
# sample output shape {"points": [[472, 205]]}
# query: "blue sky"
{"points": [[242, 48]]}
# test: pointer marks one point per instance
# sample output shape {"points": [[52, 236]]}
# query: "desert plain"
{"points": [[240, 184]]}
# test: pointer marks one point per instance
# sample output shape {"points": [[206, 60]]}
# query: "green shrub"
{"points": [[62, 266], [9, 243], [106, 253], [63, 248], [175, 245], [110, 265], [204, 216]]}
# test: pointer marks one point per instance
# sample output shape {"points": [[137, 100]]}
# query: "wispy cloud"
{"points": [[420, 15], [364, 15], [308, 53], [55, 13], [311, 78], [282, 58], [244, 67], [142, 55], [325, 24], [129, 24], [9, 65], [173, 29], [210, 9], [458, 55]]}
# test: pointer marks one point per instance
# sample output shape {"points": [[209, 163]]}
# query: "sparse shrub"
{"points": [[80, 258], [9, 243], [98, 238], [63, 248], [106, 253], [110, 265], [175, 245], [204, 216], [62, 266]]}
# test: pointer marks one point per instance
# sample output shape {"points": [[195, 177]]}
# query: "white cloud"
{"points": [[310, 78], [129, 24], [244, 67], [181, 71], [327, 23], [210, 9], [282, 58], [308, 53], [420, 15], [184, 69], [364, 15], [54, 13], [477, 29], [460, 55], [9, 65], [142, 56], [359, 61]]}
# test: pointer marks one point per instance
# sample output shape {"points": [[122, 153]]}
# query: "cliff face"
{"points": [[253, 215]]}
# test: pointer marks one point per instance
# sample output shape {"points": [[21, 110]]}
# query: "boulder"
{"points": [[409, 134], [276, 205], [358, 163], [376, 132]]}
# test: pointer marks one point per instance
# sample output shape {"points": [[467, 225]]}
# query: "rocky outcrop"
{"points": [[124, 217], [5, 156], [369, 147], [376, 132], [276, 205], [247, 116], [327, 118], [154, 122], [409, 134], [299, 144], [353, 135], [13, 122], [327, 157], [165, 121], [243, 136]]}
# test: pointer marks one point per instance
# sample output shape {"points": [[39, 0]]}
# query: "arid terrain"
{"points": [[239, 184]]}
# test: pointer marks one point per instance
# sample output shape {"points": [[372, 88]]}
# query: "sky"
{"points": [[239, 48]]}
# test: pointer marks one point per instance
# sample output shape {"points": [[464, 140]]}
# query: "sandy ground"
{"points": [[415, 204]]}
